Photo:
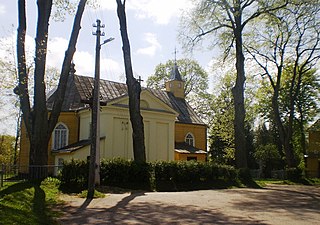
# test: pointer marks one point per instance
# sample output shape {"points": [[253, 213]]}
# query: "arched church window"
{"points": [[60, 136], [189, 139]]}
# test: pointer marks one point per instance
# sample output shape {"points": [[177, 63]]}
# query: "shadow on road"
{"points": [[127, 211], [295, 200]]}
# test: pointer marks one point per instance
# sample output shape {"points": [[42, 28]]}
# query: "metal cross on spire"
{"points": [[175, 55]]}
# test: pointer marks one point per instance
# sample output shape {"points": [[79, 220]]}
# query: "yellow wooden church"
{"points": [[313, 154], [173, 131]]}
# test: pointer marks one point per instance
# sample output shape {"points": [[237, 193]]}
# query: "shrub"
{"points": [[74, 176], [294, 174], [182, 175], [159, 176], [125, 174]]}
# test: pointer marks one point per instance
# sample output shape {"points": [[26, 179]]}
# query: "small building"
{"points": [[173, 131], [313, 154]]}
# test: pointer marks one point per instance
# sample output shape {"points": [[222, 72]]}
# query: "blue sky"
{"points": [[153, 29], [152, 26]]}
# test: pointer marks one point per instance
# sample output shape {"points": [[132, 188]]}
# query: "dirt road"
{"points": [[276, 204]]}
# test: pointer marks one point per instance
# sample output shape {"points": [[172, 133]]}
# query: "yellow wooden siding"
{"points": [[313, 162], [198, 131], [184, 156], [314, 141], [70, 119], [313, 167]]}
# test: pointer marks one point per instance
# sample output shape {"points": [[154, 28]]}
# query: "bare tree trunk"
{"points": [[284, 134], [134, 90], [22, 89], [39, 133], [66, 66], [39, 127], [238, 95]]}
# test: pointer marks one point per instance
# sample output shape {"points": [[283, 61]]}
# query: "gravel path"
{"points": [[275, 204]]}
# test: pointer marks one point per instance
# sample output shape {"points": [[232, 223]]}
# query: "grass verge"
{"points": [[304, 181], [27, 203]]}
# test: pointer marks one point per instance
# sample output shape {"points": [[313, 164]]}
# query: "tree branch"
{"points": [[60, 92], [22, 89]]}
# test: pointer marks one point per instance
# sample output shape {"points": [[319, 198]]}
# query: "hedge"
{"points": [[158, 176]]}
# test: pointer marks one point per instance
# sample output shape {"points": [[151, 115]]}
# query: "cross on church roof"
{"points": [[175, 74], [175, 55], [140, 80]]}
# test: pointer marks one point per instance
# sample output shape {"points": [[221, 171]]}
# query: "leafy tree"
{"points": [[39, 124], [221, 132], [194, 76], [267, 151], [306, 108], [134, 89], [227, 20], [196, 83], [289, 44], [7, 153]]}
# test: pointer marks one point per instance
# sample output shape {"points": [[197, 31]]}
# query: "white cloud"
{"points": [[159, 11], [85, 65], [8, 48], [110, 69], [107, 4], [154, 45], [56, 50], [2, 9]]}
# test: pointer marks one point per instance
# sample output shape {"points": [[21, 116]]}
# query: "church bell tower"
{"points": [[175, 85]]}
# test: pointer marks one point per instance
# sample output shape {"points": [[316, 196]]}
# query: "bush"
{"points": [[182, 175], [125, 174], [159, 176], [294, 174], [74, 176]]}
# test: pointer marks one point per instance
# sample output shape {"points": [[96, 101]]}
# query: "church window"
{"points": [[191, 158], [189, 139], [60, 136]]}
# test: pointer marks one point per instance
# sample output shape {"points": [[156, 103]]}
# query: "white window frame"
{"points": [[187, 139], [54, 138]]}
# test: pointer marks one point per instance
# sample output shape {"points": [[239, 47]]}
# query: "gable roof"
{"points": [[72, 99], [79, 89]]}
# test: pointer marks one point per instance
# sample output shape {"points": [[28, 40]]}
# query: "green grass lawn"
{"points": [[304, 181], [27, 203]]}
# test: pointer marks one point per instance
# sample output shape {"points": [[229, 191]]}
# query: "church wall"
{"points": [[115, 126], [199, 132], [313, 160], [184, 157], [314, 141], [70, 119]]}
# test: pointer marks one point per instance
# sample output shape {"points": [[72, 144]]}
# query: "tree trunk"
{"points": [[238, 95], [38, 127], [285, 138], [134, 90], [22, 89], [66, 66], [39, 133]]}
